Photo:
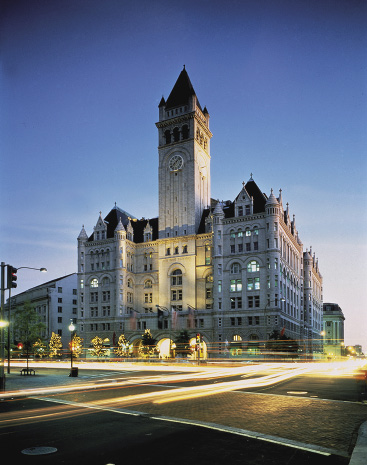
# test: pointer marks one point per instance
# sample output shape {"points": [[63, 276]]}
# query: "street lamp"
{"points": [[42, 270], [71, 329]]}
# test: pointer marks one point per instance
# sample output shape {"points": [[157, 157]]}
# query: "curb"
{"points": [[359, 456]]}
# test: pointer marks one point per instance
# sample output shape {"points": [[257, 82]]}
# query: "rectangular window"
{"points": [[219, 285], [148, 298], [176, 295], [257, 301], [257, 283], [240, 248], [248, 247], [233, 250], [250, 301], [233, 321]]}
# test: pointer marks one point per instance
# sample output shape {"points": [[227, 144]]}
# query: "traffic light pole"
{"points": [[9, 308], [2, 327]]}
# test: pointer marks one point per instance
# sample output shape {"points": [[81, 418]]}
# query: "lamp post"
{"points": [[282, 299], [71, 329]]}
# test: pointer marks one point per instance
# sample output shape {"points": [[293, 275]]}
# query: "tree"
{"points": [[39, 348], [148, 344], [281, 343], [122, 346], [98, 349], [77, 345], [55, 345], [28, 327], [182, 342]]}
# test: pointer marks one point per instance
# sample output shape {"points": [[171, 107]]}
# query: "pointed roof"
{"points": [[259, 198], [218, 210], [182, 92], [272, 200], [83, 234]]}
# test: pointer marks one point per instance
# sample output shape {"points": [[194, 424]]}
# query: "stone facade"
{"points": [[232, 271]]}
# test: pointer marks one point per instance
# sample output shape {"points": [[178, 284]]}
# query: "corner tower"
{"points": [[184, 160]]}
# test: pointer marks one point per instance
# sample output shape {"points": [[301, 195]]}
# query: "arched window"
{"points": [[129, 283], [105, 281], [235, 268], [94, 282], [237, 337], [185, 131], [167, 135], [253, 266], [176, 278], [148, 284], [176, 135]]}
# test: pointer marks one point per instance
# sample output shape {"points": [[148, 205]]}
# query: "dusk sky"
{"points": [[285, 85]]}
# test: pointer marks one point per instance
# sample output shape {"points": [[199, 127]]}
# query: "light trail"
{"points": [[201, 374]]}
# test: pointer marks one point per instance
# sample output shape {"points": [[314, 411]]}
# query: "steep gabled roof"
{"points": [[116, 214], [259, 198], [182, 92], [139, 226], [112, 220]]}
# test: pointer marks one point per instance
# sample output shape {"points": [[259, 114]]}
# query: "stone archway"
{"points": [[163, 346]]}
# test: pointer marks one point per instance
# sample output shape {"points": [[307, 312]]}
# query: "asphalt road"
{"points": [[114, 417]]}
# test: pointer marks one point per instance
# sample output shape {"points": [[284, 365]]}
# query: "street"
{"points": [[260, 414]]}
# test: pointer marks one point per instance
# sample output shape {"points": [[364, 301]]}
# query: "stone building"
{"points": [[333, 330], [231, 271]]}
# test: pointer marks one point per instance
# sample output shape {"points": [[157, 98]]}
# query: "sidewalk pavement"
{"points": [[328, 424]]}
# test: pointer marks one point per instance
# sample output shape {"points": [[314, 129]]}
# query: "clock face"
{"points": [[175, 163]]}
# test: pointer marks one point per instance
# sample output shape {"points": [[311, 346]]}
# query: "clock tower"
{"points": [[184, 160]]}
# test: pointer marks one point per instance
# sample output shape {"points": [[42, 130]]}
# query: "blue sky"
{"points": [[284, 83]]}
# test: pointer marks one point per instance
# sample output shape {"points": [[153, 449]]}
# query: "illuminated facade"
{"points": [[232, 271]]}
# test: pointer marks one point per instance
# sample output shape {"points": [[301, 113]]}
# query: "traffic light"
{"points": [[198, 339], [12, 277], [20, 345]]}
